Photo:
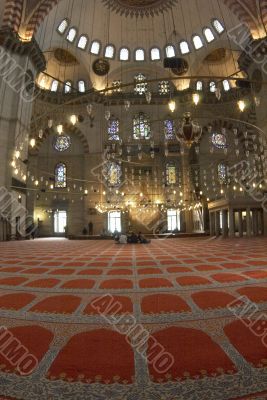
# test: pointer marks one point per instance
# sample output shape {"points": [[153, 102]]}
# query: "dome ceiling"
{"points": [[139, 7]]}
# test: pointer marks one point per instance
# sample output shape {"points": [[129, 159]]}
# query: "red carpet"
{"points": [[162, 331]]}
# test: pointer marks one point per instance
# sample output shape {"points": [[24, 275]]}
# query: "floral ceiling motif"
{"points": [[141, 8]]}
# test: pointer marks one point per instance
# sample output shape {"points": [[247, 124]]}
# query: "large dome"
{"points": [[139, 7]]}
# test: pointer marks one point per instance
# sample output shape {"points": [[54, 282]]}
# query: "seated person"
{"points": [[123, 239], [133, 238], [142, 239]]}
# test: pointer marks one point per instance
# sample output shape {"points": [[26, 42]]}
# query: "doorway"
{"points": [[60, 222]]}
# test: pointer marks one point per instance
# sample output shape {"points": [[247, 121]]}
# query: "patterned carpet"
{"points": [[80, 308]]}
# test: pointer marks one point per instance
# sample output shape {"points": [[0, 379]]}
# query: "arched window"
{"points": [[199, 86], [184, 47], [112, 173], [124, 54], [54, 86], [222, 173], [197, 41], [170, 51], [72, 35], [169, 129], [82, 43], [155, 54], [62, 27], [60, 176], [141, 126], [113, 128], [67, 87], [140, 84], [164, 87], [218, 26], [81, 86], [212, 87], [139, 55], [208, 34], [109, 51], [219, 140], [171, 174], [95, 47], [226, 85]]}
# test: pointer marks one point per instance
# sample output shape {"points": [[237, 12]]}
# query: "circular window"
{"points": [[61, 143]]}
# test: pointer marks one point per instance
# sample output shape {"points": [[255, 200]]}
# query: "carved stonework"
{"points": [[135, 8]]}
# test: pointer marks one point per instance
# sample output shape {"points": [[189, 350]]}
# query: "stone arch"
{"points": [[71, 129], [253, 13]]}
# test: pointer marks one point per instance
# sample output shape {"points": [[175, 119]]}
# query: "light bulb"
{"points": [[73, 119], [172, 105], [32, 142], [60, 129], [241, 105], [196, 98]]}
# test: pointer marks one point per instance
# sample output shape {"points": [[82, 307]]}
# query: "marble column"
{"points": [[217, 223], [224, 224], [212, 224], [248, 219], [240, 224], [255, 222], [231, 222]]}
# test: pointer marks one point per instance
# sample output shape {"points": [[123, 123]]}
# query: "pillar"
{"points": [[224, 224], [240, 224], [231, 223], [217, 223], [255, 222], [212, 224], [248, 219]]}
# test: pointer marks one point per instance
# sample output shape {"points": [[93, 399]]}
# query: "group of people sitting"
{"points": [[122, 238]]}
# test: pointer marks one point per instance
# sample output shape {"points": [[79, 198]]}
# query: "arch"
{"points": [[71, 129]]}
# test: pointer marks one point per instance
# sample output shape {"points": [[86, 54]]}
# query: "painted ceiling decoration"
{"points": [[25, 16], [139, 8]]}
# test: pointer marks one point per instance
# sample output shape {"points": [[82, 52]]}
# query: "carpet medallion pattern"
{"points": [[80, 308]]}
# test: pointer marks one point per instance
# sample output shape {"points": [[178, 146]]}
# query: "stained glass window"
{"points": [[116, 86], [141, 126], [140, 84], [112, 173], [219, 140], [60, 176], [62, 142], [170, 174], [169, 129], [164, 87], [113, 128], [222, 173]]}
